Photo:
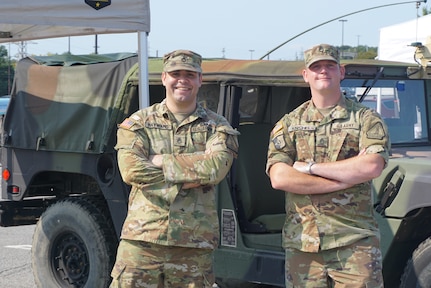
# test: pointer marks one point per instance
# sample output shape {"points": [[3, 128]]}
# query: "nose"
{"points": [[323, 69], [182, 76], [182, 79]]}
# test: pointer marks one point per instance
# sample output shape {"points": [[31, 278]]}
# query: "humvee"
{"points": [[59, 167]]}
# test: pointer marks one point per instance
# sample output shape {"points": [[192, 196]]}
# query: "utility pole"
{"points": [[22, 48]]}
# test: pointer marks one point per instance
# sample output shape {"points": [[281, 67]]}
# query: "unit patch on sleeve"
{"points": [[376, 132]]}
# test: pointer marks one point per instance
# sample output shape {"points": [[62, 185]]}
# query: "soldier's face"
{"points": [[182, 86], [323, 75]]}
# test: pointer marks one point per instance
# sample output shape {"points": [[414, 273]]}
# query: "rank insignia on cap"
{"points": [[182, 60], [99, 4]]}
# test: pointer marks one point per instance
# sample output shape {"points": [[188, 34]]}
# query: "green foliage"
{"points": [[371, 54], [360, 52], [7, 71]]}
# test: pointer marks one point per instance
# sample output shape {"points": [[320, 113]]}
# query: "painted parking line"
{"points": [[23, 247]]}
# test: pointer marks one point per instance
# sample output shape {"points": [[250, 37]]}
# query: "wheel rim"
{"points": [[69, 260]]}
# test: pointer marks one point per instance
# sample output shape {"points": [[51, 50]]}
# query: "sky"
{"points": [[244, 29]]}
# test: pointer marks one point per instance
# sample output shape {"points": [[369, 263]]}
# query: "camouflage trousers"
{"points": [[148, 265], [358, 265]]}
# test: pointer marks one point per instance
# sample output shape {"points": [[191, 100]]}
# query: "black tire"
{"points": [[417, 273], [74, 245]]}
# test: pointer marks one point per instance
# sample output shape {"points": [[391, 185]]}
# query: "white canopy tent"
{"points": [[396, 41], [23, 20]]}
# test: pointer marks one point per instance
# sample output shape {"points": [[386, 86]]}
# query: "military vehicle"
{"points": [[59, 167]]}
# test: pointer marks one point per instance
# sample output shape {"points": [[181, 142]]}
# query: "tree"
{"points": [[7, 71], [359, 52]]}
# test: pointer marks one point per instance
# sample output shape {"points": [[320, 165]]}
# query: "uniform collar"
{"points": [[200, 112], [312, 114]]}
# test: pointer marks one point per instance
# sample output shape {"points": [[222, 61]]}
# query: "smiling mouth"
{"points": [[183, 88]]}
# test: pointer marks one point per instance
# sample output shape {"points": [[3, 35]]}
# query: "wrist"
{"points": [[308, 167]]}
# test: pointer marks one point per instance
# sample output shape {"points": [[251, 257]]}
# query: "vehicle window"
{"points": [[208, 96], [267, 104], [400, 103], [248, 102]]}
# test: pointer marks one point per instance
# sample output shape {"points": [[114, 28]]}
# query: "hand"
{"points": [[362, 152], [156, 160], [301, 166], [190, 185]]}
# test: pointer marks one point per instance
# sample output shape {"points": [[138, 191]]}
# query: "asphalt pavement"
{"points": [[15, 257]]}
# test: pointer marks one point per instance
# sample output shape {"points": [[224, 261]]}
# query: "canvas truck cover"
{"points": [[71, 106], [29, 19], [244, 72]]}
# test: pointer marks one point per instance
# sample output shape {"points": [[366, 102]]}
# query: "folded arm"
{"points": [[208, 167], [326, 177]]}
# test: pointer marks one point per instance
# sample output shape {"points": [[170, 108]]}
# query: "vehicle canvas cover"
{"points": [[253, 72], [67, 104]]}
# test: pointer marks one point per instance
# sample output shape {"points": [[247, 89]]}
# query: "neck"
{"points": [[323, 100], [183, 108]]}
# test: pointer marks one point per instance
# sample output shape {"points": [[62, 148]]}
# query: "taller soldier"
{"points": [[324, 154]]}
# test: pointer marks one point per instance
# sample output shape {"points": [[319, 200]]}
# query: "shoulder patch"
{"points": [[127, 123], [279, 142], [376, 132], [277, 128]]}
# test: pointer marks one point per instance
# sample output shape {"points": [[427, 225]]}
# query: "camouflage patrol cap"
{"points": [[321, 52], [182, 60]]}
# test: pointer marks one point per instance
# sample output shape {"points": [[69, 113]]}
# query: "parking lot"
{"points": [[15, 257]]}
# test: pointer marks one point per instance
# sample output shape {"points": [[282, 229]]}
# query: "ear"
{"points": [[163, 77], [305, 75], [200, 79], [342, 72]]}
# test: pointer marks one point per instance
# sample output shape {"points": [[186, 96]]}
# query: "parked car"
{"points": [[4, 102]]}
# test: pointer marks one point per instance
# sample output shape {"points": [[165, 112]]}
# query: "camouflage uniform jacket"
{"points": [[199, 150], [339, 218]]}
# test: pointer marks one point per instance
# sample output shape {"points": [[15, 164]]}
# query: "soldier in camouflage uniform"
{"points": [[324, 154], [172, 154]]}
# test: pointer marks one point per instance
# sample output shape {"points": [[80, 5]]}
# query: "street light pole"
{"points": [[251, 54], [342, 35]]}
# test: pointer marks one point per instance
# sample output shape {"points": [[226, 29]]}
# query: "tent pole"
{"points": [[144, 97]]}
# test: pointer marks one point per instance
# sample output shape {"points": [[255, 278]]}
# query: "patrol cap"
{"points": [[182, 60], [321, 52]]}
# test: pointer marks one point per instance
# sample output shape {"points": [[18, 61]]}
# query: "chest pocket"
{"points": [[159, 137], [345, 143], [303, 138], [199, 136]]}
